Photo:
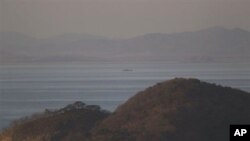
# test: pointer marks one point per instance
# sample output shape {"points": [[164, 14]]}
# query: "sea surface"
{"points": [[28, 89]]}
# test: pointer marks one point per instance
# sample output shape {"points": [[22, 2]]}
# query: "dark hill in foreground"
{"points": [[71, 123], [175, 110]]}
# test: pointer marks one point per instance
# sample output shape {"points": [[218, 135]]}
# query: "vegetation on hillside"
{"points": [[176, 110], [71, 123]]}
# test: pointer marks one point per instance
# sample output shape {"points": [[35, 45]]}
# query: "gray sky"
{"points": [[120, 18]]}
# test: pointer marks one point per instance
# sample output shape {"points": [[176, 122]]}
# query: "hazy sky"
{"points": [[120, 18]]}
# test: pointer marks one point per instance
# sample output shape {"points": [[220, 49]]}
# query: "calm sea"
{"points": [[27, 89]]}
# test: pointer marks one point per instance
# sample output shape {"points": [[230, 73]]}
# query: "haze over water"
{"points": [[27, 89]]}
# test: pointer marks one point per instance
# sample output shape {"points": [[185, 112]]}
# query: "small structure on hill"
{"points": [[75, 106]]}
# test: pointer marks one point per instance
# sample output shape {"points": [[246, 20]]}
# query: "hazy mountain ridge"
{"points": [[216, 44], [177, 110]]}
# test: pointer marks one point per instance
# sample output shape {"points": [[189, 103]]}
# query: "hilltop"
{"points": [[176, 110]]}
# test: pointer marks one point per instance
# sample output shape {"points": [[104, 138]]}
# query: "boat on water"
{"points": [[127, 70]]}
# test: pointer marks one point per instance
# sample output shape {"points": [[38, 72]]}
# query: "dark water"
{"points": [[27, 89]]}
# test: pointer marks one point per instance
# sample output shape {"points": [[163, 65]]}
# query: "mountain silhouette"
{"points": [[215, 44]]}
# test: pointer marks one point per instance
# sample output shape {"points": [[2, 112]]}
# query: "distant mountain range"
{"points": [[216, 44], [174, 110]]}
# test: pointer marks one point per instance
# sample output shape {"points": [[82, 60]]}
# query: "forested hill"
{"points": [[176, 110], [71, 123]]}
